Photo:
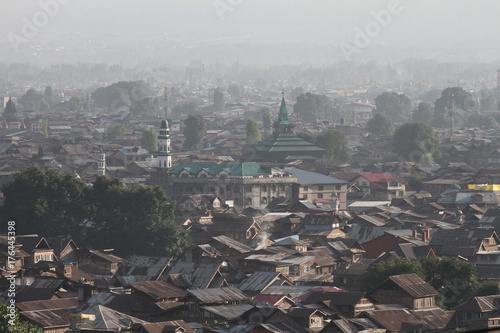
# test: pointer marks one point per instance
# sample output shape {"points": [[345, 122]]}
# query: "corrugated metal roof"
{"points": [[51, 304], [219, 295], [107, 318], [229, 311], [233, 244], [414, 285], [158, 289], [258, 281], [159, 327], [48, 318]]}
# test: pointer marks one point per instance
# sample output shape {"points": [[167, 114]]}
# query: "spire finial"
{"points": [[283, 94]]}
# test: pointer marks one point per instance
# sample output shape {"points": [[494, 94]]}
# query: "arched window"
{"points": [[263, 200], [248, 201]]}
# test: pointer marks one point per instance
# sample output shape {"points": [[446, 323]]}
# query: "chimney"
{"points": [[414, 233], [426, 235]]}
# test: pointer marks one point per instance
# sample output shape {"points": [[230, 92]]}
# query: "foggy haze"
{"points": [[250, 31]]}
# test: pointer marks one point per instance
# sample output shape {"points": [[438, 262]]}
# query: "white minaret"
{"points": [[101, 163], [164, 155]]}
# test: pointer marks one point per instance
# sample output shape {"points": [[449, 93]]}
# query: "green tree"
{"points": [[149, 140], [464, 104], [139, 221], [395, 105], [45, 128], [423, 113], [453, 278], [31, 100], [415, 142], [335, 144], [10, 323], [49, 97], [313, 107], [195, 130], [75, 104], [45, 202], [252, 128], [115, 130], [267, 123], [415, 180], [145, 107], [487, 101], [120, 94], [296, 92], [105, 215], [378, 273], [235, 91], [186, 108], [219, 99], [380, 124]]}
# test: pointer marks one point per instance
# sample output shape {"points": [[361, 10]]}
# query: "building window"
{"points": [[306, 188], [263, 200], [320, 188], [320, 195], [248, 201], [264, 188]]}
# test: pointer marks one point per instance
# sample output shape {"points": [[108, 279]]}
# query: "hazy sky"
{"points": [[414, 23]]}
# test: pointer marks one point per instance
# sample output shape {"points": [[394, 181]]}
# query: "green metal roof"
{"points": [[242, 169], [283, 114]]}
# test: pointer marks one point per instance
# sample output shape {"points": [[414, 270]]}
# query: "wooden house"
{"points": [[407, 289]]}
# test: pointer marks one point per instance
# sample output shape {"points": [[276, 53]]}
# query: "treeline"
{"points": [[455, 279], [104, 215]]}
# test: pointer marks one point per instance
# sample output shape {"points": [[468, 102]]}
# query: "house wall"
{"points": [[311, 192], [381, 244]]}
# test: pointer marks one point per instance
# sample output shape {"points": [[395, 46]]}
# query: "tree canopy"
{"points": [[267, 122], [423, 113], [120, 94], [186, 108], [464, 104], [455, 279], [252, 128], [195, 130], [380, 124], [311, 107], [415, 142], [150, 140], [104, 215], [219, 99], [145, 107], [10, 323], [395, 105]]}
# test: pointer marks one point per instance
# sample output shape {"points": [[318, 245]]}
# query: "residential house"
{"points": [[318, 188], [156, 299], [380, 186], [473, 244], [258, 281], [406, 289], [98, 262], [480, 313], [129, 154]]}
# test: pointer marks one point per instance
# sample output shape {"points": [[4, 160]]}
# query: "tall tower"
{"points": [[164, 155], [101, 163]]}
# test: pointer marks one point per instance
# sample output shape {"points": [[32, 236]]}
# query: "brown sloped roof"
{"points": [[159, 327], [158, 289], [413, 285]]}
